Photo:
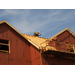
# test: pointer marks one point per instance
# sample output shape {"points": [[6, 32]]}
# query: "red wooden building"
{"points": [[22, 49]]}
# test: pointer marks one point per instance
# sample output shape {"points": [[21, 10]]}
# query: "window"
{"points": [[4, 46]]}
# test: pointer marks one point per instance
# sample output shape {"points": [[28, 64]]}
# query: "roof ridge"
{"points": [[63, 31], [71, 32], [35, 36]]}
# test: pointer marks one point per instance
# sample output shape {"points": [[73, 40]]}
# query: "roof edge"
{"points": [[20, 33], [64, 31], [13, 28], [35, 36]]}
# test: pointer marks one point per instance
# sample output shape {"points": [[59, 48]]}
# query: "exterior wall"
{"points": [[3, 59], [19, 48], [35, 56], [65, 37], [53, 60], [23, 53]]}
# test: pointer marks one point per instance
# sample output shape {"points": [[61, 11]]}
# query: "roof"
{"points": [[38, 41], [20, 33], [35, 39], [64, 31], [42, 42]]}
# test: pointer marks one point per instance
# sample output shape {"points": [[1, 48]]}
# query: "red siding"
{"points": [[64, 38], [19, 47], [35, 56], [3, 59], [57, 61]]}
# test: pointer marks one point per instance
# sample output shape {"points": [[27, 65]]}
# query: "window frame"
{"points": [[5, 51]]}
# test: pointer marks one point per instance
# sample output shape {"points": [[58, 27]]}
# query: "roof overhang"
{"points": [[60, 53]]}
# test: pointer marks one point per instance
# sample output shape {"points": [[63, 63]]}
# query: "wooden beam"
{"points": [[4, 51], [4, 44]]}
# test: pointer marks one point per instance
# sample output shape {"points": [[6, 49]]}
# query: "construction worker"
{"points": [[37, 33]]}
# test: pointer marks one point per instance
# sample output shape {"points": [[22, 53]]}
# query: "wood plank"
{"points": [[4, 44], [4, 51]]}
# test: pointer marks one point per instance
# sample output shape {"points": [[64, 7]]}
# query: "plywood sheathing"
{"points": [[40, 42]]}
